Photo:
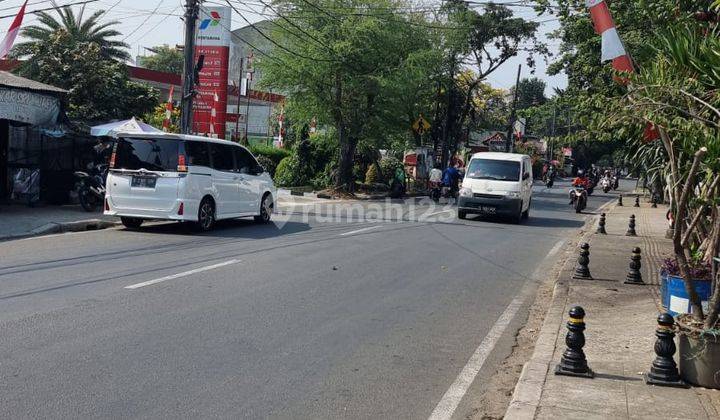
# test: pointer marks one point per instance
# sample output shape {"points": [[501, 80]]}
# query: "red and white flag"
{"points": [[9, 40], [612, 46], [613, 49], [213, 113], [168, 110]]}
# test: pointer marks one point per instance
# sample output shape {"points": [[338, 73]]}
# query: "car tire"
{"points": [[131, 222], [206, 215], [266, 208], [462, 214], [526, 213]]}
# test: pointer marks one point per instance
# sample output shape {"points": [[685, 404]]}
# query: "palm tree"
{"points": [[79, 30]]}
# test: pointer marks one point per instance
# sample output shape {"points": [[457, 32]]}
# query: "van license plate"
{"points": [[487, 209], [143, 181]]}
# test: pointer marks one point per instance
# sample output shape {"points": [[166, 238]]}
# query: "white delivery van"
{"points": [[185, 178], [497, 184]]}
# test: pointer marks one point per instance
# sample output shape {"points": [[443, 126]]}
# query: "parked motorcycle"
{"points": [[578, 198], [91, 187]]}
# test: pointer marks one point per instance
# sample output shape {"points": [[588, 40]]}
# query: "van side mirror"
{"points": [[526, 175]]}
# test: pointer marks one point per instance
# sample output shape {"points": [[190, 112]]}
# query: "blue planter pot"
{"points": [[674, 298]]}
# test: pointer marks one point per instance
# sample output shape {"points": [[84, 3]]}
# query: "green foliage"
{"points": [[166, 59], [273, 153], [531, 92], [75, 31], [268, 164], [372, 176], [157, 116], [389, 166], [99, 87], [285, 173]]}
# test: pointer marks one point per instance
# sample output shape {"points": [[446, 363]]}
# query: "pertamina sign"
{"points": [[213, 41]]}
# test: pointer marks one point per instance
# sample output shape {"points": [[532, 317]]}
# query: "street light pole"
{"points": [[508, 142], [552, 135], [186, 102]]}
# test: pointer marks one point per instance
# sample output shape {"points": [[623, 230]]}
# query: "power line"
{"points": [[160, 22], [273, 41], [51, 8], [144, 21]]}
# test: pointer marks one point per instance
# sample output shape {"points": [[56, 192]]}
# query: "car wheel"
{"points": [[206, 215], [266, 208], [462, 214], [131, 222]]}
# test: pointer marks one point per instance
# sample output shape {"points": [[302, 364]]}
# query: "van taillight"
{"points": [[107, 205], [112, 160], [181, 163], [181, 209]]}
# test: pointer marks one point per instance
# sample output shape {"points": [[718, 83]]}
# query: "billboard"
{"points": [[213, 42]]}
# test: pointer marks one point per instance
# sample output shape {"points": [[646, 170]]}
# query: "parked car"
{"points": [[185, 178], [497, 184]]}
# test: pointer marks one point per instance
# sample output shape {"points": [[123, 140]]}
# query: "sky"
{"points": [[146, 23]]}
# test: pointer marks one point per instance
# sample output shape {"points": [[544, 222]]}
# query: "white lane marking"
{"points": [[450, 401], [556, 248], [439, 212], [360, 230], [183, 274]]}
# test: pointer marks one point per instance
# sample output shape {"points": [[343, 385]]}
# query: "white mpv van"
{"points": [[497, 183], [185, 178]]}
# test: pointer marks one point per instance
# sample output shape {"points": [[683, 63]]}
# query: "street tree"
{"points": [[165, 58], [98, 87], [483, 40], [349, 69], [79, 30], [531, 92]]}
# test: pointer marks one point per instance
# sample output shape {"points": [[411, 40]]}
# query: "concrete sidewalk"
{"points": [[20, 221], [621, 321]]}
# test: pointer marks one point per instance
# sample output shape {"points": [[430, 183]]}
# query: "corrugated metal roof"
{"points": [[10, 80]]}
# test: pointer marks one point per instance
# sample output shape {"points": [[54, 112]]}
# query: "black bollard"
{"points": [[631, 227], [601, 225], [620, 204], [654, 201], [634, 276], [637, 201], [582, 271], [664, 371], [573, 362]]}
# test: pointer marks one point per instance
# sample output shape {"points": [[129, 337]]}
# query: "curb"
{"points": [[51, 228], [528, 390]]}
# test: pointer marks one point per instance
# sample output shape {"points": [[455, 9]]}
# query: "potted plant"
{"points": [[672, 287]]}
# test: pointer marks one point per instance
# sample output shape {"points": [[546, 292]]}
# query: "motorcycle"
{"points": [[549, 180], [438, 191], [615, 182], [578, 198], [605, 184], [91, 187]]}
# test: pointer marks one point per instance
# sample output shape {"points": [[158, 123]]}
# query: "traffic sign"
{"points": [[421, 125]]}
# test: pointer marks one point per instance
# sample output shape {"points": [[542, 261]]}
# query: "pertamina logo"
{"points": [[213, 20]]}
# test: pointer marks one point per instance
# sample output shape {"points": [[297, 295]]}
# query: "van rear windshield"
{"points": [[498, 170], [149, 154]]}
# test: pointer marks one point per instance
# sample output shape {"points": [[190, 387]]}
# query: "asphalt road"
{"points": [[323, 314]]}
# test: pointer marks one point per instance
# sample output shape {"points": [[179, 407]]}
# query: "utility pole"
{"points": [[446, 126], [239, 90], [250, 71], [508, 141], [552, 135], [191, 14]]}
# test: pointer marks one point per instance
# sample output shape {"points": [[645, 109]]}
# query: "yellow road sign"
{"points": [[421, 125]]}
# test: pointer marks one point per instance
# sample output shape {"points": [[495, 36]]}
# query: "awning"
{"points": [[127, 126]]}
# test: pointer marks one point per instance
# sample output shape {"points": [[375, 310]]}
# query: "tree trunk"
{"points": [[714, 304], [345, 178]]}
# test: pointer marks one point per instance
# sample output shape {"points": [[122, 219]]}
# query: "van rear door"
{"points": [[145, 173]]}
